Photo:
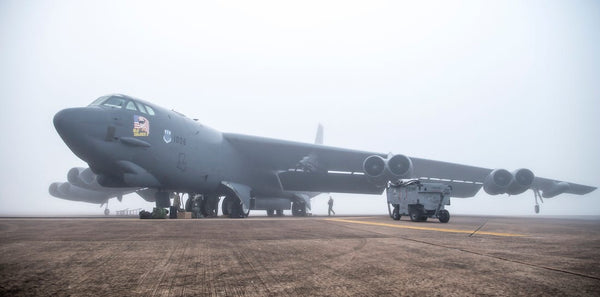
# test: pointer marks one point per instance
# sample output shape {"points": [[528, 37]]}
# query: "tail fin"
{"points": [[319, 138]]}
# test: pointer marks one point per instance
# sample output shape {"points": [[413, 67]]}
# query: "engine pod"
{"points": [[374, 168], [399, 166], [497, 181], [522, 180]]}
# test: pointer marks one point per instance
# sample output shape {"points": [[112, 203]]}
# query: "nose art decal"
{"points": [[141, 126]]}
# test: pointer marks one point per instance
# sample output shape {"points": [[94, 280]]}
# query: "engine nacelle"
{"points": [[380, 170], [497, 182], [556, 189], [522, 180], [82, 177], [399, 166], [72, 192], [110, 182], [374, 168]]}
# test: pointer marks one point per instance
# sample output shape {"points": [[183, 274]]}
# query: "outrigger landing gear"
{"points": [[106, 210], [536, 194]]}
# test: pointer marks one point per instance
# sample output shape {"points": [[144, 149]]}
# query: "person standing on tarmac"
{"points": [[330, 210]]}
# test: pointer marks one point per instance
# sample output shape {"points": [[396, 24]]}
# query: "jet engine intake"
{"points": [[374, 166], [380, 170], [82, 177], [522, 180], [497, 182], [399, 166]]}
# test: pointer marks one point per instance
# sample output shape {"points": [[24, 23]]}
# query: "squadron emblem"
{"points": [[167, 136]]}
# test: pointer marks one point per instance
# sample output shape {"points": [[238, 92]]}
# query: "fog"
{"points": [[506, 84]]}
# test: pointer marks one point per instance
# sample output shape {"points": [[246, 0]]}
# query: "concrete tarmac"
{"points": [[313, 256]]}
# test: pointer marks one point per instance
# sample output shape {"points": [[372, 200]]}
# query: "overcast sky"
{"points": [[506, 84]]}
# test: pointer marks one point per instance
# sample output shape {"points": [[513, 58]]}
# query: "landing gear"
{"points": [[536, 194], [226, 206], [444, 216], [270, 212], [233, 207], [299, 209]]}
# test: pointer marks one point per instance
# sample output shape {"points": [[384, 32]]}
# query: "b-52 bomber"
{"points": [[134, 146]]}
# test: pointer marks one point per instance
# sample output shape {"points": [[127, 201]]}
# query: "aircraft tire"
{"points": [[298, 209], [415, 215], [444, 216], [225, 206], [236, 210]]}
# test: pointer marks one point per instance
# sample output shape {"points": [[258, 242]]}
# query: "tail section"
{"points": [[319, 138]]}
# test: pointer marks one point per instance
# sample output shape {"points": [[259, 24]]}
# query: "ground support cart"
{"points": [[418, 200]]}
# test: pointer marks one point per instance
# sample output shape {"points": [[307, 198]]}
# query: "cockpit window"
{"points": [[140, 107], [130, 106], [99, 100], [114, 102], [150, 110]]}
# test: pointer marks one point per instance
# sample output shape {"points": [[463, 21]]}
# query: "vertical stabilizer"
{"points": [[319, 138]]}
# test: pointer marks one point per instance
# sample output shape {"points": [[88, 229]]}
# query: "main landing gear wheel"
{"points": [[226, 206], [444, 216], [298, 209], [232, 207]]}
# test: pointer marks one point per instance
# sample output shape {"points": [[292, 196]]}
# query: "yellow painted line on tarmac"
{"points": [[427, 228]]}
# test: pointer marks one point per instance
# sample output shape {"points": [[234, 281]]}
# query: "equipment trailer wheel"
{"points": [[415, 215], [396, 213], [444, 216]]}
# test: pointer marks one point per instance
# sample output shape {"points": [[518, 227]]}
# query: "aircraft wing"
{"points": [[340, 170]]}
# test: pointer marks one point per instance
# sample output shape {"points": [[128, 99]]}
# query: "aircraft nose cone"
{"points": [[68, 122], [62, 118], [76, 126]]}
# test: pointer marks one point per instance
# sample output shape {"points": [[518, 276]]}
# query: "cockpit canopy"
{"points": [[122, 101]]}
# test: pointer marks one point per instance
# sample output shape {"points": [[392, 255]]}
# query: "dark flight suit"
{"points": [[330, 210]]}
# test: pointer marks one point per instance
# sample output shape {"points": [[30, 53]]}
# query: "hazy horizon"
{"points": [[507, 84]]}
